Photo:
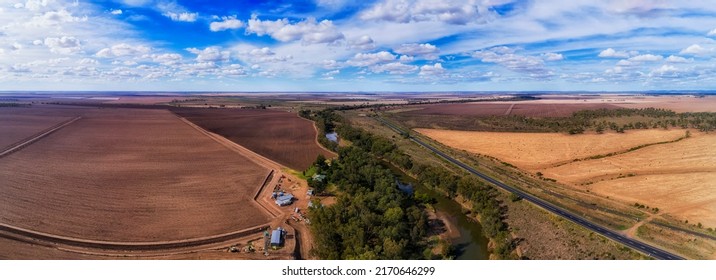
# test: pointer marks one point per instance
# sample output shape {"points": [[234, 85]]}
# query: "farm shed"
{"points": [[277, 237], [284, 200]]}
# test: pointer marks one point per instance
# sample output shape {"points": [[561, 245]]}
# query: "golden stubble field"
{"points": [[679, 178]]}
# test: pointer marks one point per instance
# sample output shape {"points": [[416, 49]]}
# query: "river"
{"points": [[471, 244]]}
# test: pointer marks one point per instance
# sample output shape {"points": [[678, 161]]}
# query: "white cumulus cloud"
{"points": [[678, 59], [448, 11], [695, 49], [432, 70], [712, 32], [210, 54], [225, 24], [123, 49], [553, 56], [611, 53], [427, 50], [63, 45], [309, 31], [183, 16], [368, 59], [646, 58]]}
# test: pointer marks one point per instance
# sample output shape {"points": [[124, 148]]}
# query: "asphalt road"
{"points": [[626, 241]]}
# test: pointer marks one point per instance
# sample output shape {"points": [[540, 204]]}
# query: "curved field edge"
{"points": [[82, 165]]}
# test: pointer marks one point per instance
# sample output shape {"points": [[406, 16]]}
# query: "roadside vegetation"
{"points": [[359, 175], [598, 120]]}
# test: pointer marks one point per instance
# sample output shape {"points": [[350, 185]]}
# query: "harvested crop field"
{"points": [[130, 175], [484, 109], [539, 150], [17, 124], [281, 136], [678, 178]]}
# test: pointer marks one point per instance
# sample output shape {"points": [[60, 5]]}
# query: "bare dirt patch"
{"points": [[278, 135], [129, 175]]}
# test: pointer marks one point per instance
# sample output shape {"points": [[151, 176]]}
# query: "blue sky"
{"points": [[339, 45]]}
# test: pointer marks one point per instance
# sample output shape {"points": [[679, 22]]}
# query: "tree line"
{"points": [[601, 120], [358, 173]]}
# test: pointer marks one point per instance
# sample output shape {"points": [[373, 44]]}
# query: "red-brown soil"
{"points": [[17, 124], [130, 175], [281, 136]]}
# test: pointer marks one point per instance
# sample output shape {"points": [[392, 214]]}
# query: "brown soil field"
{"points": [[281, 136], [678, 178], [523, 108], [533, 151], [17, 124], [130, 175]]}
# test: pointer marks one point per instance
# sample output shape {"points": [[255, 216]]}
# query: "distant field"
{"points": [[523, 108], [129, 175], [678, 178], [281, 136]]}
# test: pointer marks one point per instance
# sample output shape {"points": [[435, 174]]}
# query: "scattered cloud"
{"points": [[364, 42], [309, 31], [396, 68], [426, 50], [226, 23], [505, 56], [553, 56], [678, 59], [116, 12], [368, 59], [210, 54], [63, 45], [712, 32], [123, 49], [611, 53], [646, 58], [183, 16], [405, 11], [432, 70], [695, 49]]}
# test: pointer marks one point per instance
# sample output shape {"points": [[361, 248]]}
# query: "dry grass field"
{"points": [[533, 151], [129, 175], [281, 136], [678, 177]]}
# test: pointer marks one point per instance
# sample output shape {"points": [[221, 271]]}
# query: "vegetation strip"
{"points": [[482, 197]]}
